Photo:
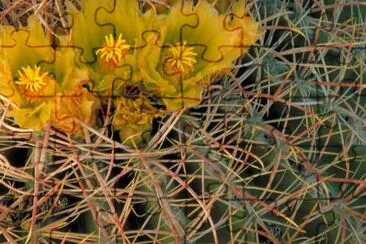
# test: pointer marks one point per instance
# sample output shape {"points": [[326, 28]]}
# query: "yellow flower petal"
{"points": [[205, 51], [27, 46], [96, 22]]}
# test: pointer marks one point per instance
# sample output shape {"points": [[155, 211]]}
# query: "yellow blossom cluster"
{"points": [[44, 85], [169, 56]]}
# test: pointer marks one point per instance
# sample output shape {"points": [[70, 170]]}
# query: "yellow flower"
{"points": [[32, 79], [113, 52], [35, 84], [196, 42], [133, 118], [109, 35], [44, 85], [23, 80]]}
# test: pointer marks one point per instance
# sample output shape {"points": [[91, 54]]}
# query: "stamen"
{"points": [[113, 51], [180, 59], [33, 80]]}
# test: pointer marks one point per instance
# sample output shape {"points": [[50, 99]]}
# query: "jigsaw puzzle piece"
{"points": [[23, 51], [125, 18], [86, 35], [110, 83], [190, 52], [182, 95], [35, 117], [43, 83], [70, 110], [26, 46], [233, 34], [102, 24], [115, 28], [160, 79], [73, 102], [244, 25]]}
